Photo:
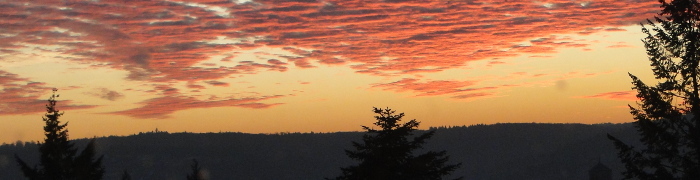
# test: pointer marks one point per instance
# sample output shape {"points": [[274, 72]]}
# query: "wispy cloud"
{"points": [[217, 83], [474, 95], [617, 95], [21, 96], [161, 107], [458, 89], [106, 94]]}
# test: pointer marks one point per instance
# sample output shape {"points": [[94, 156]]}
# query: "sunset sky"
{"points": [[259, 66]]}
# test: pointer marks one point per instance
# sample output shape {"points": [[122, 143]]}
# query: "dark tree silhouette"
{"points": [[196, 171], [85, 166], [58, 160], [388, 154], [666, 118], [126, 175]]}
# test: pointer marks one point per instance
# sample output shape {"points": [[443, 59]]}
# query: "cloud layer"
{"points": [[166, 38], [170, 41]]}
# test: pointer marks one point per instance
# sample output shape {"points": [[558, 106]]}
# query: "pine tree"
{"points": [[196, 171], [667, 116], [388, 154], [58, 161]]}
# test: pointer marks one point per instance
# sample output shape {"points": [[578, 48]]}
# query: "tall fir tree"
{"points": [[58, 160], [667, 116], [388, 154], [197, 173]]}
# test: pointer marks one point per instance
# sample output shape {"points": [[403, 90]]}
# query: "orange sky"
{"points": [[276, 66]]}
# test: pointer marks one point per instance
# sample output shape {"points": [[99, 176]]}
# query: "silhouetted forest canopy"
{"points": [[499, 151], [398, 149]]}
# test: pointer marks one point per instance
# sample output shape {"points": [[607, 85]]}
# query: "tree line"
{"points": [[384, 154]]}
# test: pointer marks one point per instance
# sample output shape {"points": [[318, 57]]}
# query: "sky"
{"points": [[267, 66]]}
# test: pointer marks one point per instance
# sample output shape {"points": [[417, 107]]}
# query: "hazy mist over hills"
{"points": [[499, 151]]}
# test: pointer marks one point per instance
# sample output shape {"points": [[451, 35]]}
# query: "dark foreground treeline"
{"points": [[500, 151]]}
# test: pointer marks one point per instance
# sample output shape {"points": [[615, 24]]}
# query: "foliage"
{"points": [[58, 160], [666, 118], [197, 173], [388, 154]]}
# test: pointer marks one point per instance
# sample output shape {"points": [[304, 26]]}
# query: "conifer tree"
{"points": [[196, 171], [58, 161], [667, 116], [388, 153], [85, 166]]}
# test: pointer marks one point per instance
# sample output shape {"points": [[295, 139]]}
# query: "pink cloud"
{"points": [[617, 95], [160, 108], [620, 45], [166, 41], [195, 86], [21, 96], [162, 40], [615, 29], [217, 83], [458, 89], [473, 95]]}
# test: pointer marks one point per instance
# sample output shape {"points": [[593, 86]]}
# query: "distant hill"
{"points": [[488, 152]]}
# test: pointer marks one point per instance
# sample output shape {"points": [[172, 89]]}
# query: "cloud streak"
{"points": [[459, 89], [21, 96], [617, 95], [106, 94], [161, 107]]}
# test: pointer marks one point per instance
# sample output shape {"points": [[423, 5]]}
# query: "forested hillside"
{"points": [[500, 151]]}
